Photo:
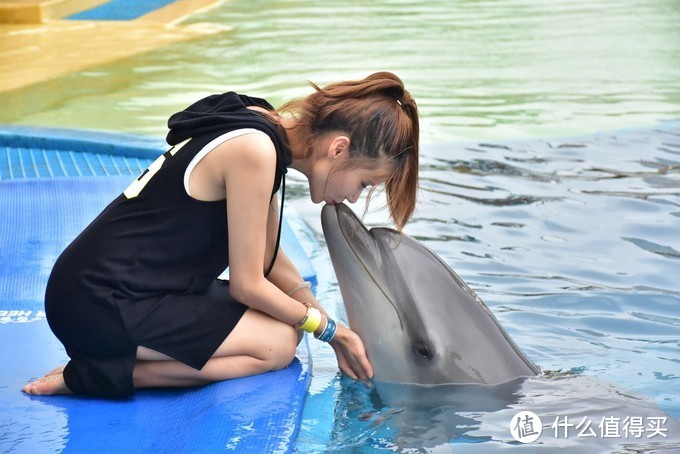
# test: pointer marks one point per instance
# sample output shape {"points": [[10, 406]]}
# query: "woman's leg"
{"points": [[257, 344]]}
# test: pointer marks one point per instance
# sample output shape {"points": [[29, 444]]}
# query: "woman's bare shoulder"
{"points": [[249, 155]]}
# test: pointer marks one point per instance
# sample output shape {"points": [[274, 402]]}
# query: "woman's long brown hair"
{"points": [[381, 119]]}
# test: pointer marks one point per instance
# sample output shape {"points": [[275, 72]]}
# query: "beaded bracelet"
{"points": [[329, 331]]}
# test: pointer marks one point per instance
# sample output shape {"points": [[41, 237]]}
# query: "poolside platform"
{"points": [[42, 11], [53, 182], [41, 40]]}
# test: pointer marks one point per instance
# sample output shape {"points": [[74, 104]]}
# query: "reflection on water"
{"points": [[600, 209], [580, 413], [478, 69]]}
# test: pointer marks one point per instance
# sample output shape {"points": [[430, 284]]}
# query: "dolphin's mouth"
{"points": [[356, 236]]}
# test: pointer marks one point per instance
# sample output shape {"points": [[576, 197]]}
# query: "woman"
{"points": [[135, 298]]}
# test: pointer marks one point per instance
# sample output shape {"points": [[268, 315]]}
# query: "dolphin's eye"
{"points": [[423, 350]]}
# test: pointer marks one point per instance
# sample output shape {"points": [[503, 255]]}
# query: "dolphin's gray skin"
{"points": [[445, 370], [420, 323]]}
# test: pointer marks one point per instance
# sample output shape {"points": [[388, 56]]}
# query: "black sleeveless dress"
{"points": [[144, 272]]}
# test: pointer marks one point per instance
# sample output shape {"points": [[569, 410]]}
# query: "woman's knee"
{"points": [[263, 338], [283, 343]]}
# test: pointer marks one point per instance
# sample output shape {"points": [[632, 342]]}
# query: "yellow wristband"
{"points": [[313, 320]]}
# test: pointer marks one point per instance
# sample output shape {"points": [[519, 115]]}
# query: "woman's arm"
{"points": [[245, 168], [347, 345], [248, 180], [284, 274], [242, 170]]}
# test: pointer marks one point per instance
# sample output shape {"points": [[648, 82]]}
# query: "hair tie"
{"points": [[300, 286]]}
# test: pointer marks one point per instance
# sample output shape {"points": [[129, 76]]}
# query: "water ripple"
{"points": [[571, 241], [665, 251]]}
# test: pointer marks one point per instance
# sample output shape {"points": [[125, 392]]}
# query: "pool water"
{"points": [[550, 182], [574, 245], [478, 69]]}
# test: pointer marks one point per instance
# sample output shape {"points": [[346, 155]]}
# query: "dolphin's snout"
{"points": [[340, 219]]}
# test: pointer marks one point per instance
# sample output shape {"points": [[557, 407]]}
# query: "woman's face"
{"points": [[334, 182], [347, 184]]}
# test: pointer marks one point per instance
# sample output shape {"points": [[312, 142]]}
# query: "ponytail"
{"points": [[381, 119]]}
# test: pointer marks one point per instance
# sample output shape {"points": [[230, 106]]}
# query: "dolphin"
{"points": [[420, 323], [445, 371]]}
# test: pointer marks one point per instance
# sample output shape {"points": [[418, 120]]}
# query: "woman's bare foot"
{"points": [[58, 370], [52, 383]]}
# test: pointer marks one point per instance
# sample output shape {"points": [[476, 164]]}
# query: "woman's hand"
{"points": [[351, 354]]}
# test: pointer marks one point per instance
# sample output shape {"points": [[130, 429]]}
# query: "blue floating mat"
{"points": [[258, 414], [52, 184], [121, 10]]}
